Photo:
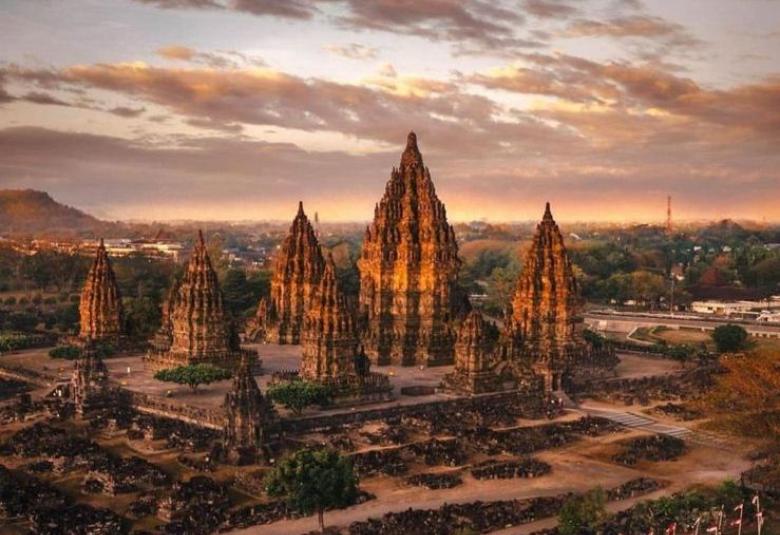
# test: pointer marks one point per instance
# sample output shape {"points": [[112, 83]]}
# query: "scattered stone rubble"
{"points": [[524, 468], [651, 448], [435, 481]]}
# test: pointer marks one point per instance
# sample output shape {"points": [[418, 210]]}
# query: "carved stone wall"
{"points": [[330, 341]]}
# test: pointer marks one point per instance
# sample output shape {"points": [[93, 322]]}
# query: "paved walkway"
{"points": [[645, 423]]}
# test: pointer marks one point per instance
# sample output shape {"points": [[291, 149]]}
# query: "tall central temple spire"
{"points": [[408, 270]]}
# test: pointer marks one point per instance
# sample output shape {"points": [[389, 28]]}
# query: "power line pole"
{"points": [[669, 215]]}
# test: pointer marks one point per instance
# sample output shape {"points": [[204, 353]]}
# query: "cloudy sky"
{"points": [[236, 109]]}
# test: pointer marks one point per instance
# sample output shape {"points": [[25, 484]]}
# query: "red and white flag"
{"points": [[672, 529]]}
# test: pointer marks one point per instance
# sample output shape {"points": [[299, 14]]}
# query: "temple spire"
{"points": [[546, 304], [100, 309], [408, 270], [411, 154], [298, 268], [198, 318], [547, 213], [329, 335]]}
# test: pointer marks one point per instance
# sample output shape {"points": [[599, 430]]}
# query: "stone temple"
{"points": [[543, 326], [199, 327], [408, 271], [249, 418], [475, 357], [100, 308], [89, 386], [299, 267], [330, 341]]}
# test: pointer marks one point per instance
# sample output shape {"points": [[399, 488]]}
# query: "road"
{"points": [[626, 322]]}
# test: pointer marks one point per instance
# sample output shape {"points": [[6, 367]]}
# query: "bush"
{"points": [[193, 375], [65, 352], [582, 514], [11, 300], [297, 395], [15, 341], [729, 338]]}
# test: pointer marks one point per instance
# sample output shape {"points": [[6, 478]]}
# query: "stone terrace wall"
{"points": [[164, 407], [533, 401]]}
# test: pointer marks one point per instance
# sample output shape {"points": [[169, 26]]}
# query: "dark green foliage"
{"points": [[65, 352], [241, 293], [582, 514], [297, 395], [11, 341], [193, 375], [729, 337], [593, 338], [142, 316], [313, 481]]}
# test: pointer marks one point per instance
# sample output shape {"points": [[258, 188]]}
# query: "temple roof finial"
{"points": [[547, 213], [102, 245], [201, 241], [411, 153], [300, 208]]}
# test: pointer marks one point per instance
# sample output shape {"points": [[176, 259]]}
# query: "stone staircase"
{"points": [[644, 423]]}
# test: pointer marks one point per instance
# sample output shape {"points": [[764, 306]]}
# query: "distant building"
{"points": [[742, 309], [124, 247]]}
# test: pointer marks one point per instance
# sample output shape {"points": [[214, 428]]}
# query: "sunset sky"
{"points": [[236, 109]]}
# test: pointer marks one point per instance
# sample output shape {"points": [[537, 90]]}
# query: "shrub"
{"points": [[729, 337], [583, 514], [193, 375], [297, 395], [65, 352]]}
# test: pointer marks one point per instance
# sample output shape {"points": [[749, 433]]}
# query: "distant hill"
{"points": [[35, 212]]}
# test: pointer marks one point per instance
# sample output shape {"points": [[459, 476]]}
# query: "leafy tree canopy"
{"points": [[313, 481], [729, 338], [193, 375], [297, 395]]}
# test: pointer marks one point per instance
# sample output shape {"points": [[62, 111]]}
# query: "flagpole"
{"points": [[741, 510]]}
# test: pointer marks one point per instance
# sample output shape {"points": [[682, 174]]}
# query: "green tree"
{"points": [[729, 337], [313, 481], [297, 395], [193, 375], [583, 514], [143, 316]]}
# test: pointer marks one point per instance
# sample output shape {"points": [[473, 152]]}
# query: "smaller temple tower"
{"points": [[196, 328], [330, 341], [298, 268], [100, 308], [89, 383], [475, 349], [249, 418], [543, 325]]}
